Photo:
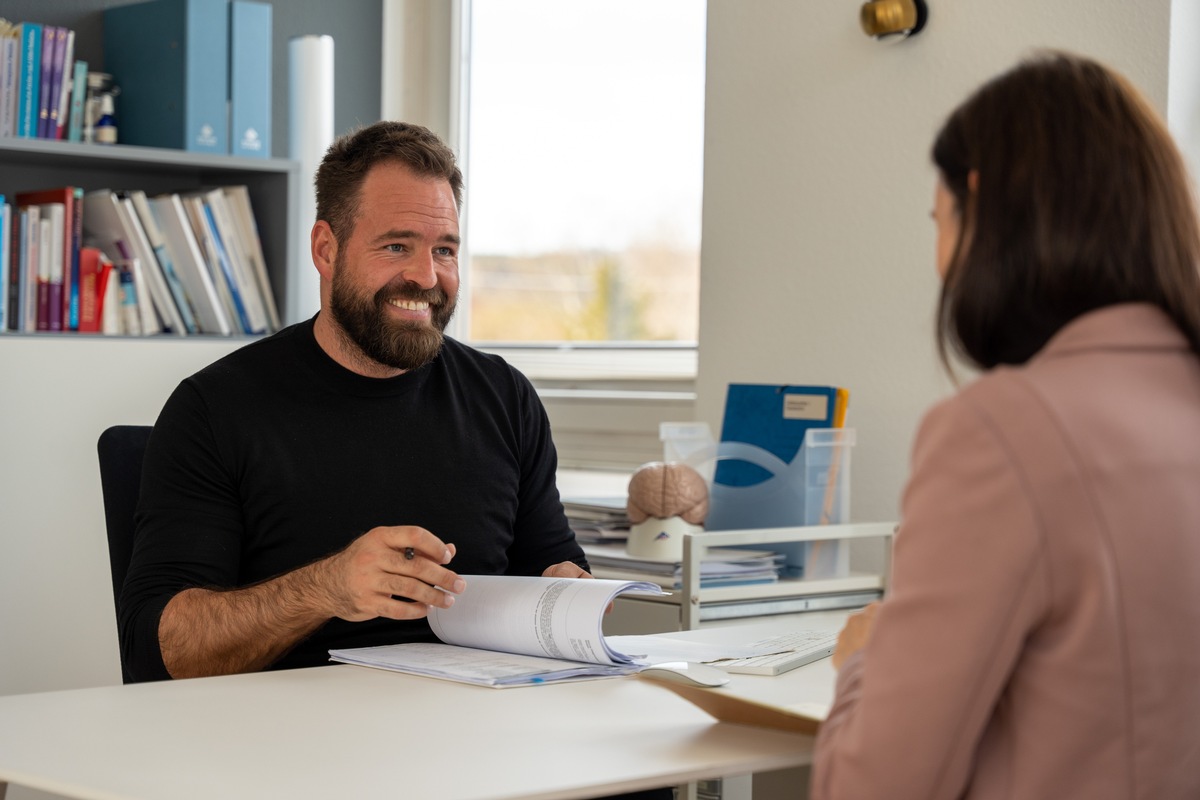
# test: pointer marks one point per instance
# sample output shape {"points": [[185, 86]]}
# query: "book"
{"points": [[158, 244], [107, 230], [250, 79], [130, 321], [229, 240], [112, 309], [71, 197], [52, 84], [45, 237], [31, 79], [55, 222], [5, 253], [10, 76], [507, 630], [78, 98], [190, 263], [225, 268], [67, 65], [242, 211], [31, 237], [51, 52], [171, 60], [25, 266], [194, 206], [156, 281], [95, 271]]}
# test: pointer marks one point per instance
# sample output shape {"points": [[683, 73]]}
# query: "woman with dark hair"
{"points": [[1041, 636]]}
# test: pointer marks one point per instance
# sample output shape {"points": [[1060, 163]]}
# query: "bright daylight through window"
{"points": [[584, 170]]}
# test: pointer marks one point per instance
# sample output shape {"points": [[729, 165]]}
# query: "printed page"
{"points": [[471, 665], [552, 617]]}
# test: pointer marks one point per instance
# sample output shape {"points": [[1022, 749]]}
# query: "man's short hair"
{"points": [[346, 163]]}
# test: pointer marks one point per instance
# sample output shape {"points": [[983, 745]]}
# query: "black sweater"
{"points": [[276, 456]]}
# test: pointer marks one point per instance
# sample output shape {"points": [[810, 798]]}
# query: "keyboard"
{"points": [[783, 653]]}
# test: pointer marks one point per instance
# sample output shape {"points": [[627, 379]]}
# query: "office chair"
{"points": [[121, 449]]}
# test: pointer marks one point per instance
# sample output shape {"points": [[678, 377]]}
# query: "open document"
{"points": [[507, 630]]}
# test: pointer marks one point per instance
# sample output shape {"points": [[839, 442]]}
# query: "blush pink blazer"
{"points": [[1041, 637]]}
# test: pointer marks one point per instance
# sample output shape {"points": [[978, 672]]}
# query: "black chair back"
{"points": [[121, 449]]}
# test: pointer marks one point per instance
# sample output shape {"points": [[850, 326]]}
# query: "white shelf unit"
{"points": [[690, 606], [35, 164], [695, 546]]}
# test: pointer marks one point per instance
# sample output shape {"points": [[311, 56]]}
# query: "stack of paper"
{"points": [[512, 630], [597, 519], [722, 566]]}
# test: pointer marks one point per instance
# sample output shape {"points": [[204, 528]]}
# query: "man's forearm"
{"points": [[395, 572], [210, 632]]}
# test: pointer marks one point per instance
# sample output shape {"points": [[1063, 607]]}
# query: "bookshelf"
{"points": [[32, 164]]}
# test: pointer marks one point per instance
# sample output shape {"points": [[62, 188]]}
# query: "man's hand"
{"points": [[364, 580], [565, 569], [212, 632], [855, 634]]}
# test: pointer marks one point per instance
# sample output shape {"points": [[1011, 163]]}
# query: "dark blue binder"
{"points": [[170, 59], [773, 418]]}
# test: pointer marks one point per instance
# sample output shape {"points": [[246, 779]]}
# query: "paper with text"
{"points": [[552, 617], [512, 630]]}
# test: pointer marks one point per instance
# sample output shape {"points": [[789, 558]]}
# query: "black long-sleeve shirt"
{"points": [[276, 456]]}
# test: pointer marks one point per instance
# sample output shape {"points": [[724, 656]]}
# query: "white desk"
{"points": [[344, 731]]}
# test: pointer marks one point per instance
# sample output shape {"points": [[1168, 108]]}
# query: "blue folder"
{"points": [[250, 79], [170, 59]]}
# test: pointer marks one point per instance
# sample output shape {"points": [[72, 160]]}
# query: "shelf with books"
{"points": [[272, 185]]}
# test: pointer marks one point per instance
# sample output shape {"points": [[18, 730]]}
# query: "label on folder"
{"points": [[805, 406]]}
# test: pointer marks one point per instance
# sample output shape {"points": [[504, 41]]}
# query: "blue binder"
{"points": [[774, 418], [170, 59], [250, 79]]}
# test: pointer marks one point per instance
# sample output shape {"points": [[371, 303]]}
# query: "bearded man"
{"points": [[323, 487]]}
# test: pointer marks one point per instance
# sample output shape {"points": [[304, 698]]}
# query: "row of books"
{"points": [[42, 86], [121, 262], [192, 75]]}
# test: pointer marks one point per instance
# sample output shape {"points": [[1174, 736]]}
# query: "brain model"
{"points": [[664, 490]]}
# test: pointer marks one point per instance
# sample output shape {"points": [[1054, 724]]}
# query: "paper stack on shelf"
{"points": [[597, 519], [723, 566]]}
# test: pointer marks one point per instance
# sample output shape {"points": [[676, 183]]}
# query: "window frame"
{"points": [[605, 400]]}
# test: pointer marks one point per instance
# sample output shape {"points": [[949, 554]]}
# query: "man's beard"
{"points": [[367, 323]]}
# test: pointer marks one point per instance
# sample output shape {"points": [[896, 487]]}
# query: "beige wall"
{"points": [[817, 244]]}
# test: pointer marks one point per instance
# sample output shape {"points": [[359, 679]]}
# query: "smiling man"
{"points": [[325, 486]]}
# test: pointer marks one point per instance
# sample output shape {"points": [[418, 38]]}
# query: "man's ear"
{"points": [[324, 247], [973, 181]]}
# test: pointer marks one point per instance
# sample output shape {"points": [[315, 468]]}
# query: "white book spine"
{"points": [[151, 271], [5, 258], [33, 239], [189, 261], [235, 252]]}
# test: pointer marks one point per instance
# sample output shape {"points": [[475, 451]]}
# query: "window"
{"points": [[583, 154]]}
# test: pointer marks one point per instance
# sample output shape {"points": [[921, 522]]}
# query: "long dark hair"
{"points": [[1083, 201]]}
